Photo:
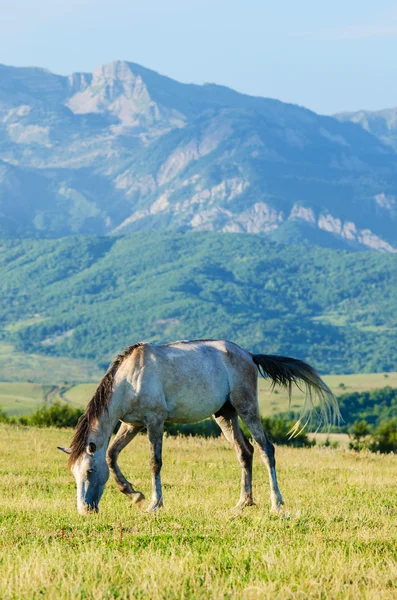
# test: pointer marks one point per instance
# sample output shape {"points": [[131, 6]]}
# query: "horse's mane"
{"points": [[97, 405]]}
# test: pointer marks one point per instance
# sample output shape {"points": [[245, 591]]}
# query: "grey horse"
{"points": [[183, 382]]}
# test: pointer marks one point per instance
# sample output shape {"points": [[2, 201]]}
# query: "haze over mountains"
{"points": [[126, 149]]}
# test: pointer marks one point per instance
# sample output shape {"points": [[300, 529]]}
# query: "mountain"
{"points": [[381, 123], [87, 297], [125, 149]]}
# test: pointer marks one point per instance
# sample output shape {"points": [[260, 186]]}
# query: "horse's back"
{"points": [[196, 377]]}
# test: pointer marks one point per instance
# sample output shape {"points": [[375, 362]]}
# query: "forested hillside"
{"points": [[89, 296]]}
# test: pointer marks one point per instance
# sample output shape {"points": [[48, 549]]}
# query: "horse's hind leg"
{"points": [[125, 434], [227, 420], [247, 408], [155, 430]]}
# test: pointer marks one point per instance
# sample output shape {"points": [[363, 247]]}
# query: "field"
{"points": [[337, 537], [18, 398], [16, 366]]}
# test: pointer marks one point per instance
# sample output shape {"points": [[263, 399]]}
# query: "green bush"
{"points": [[384, 438], [329, 444], [3, 416], [360, 438], [56, 415], [380, 439]]}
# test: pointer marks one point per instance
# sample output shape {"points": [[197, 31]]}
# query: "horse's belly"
{"points": [[184, 412], [190, 406]]}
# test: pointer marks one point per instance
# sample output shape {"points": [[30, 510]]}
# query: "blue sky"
{"points": [[326, 56]]}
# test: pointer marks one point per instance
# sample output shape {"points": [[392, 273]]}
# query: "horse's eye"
{"points": [[90, 471]]}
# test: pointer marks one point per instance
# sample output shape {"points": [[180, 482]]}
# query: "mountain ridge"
{"points": [[127, 149], [381, 123]]}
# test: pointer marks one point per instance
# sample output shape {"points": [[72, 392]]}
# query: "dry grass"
{"points": [[336, 539]]}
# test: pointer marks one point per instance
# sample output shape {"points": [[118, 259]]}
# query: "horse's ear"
{"points": [[91, 448], [65, 450]]}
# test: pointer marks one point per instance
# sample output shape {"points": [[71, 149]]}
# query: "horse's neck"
{"points": [[102, 432]]}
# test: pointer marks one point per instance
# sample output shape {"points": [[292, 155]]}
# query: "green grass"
{"points": [[19, 366], [21, 398], [335, 540], [80, 394], [17, 398]]}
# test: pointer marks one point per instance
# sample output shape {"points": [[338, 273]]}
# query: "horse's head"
{"points": [[91, 473]]}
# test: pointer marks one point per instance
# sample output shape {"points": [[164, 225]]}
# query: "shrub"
{"points": [[384, 438], [329, 444], [56, 415], [360, 438], [3, 416]]}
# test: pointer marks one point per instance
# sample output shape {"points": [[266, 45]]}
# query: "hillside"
{"points": [[87, 297], [126, 149]]}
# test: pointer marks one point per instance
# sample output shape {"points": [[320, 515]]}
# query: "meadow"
{"points": [[336, 538]]}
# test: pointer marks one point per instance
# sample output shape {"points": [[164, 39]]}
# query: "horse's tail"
{"points": [[286, 371]]}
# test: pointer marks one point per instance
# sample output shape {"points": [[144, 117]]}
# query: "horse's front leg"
{"points": [[125, 434], [155, 430]]}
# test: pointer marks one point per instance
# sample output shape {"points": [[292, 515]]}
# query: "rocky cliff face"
{"points": [[126, 149]]}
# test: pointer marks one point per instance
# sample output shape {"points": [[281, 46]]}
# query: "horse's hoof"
{"points": [[136, 498], [243, 504], [276, 509], [154, 506]]}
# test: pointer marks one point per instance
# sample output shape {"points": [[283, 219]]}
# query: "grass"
{"points": [[21, 398], [337, 538], [19, 366], [18, 398]]}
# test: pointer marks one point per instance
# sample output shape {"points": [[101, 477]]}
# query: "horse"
{"points": [[148, 385]]}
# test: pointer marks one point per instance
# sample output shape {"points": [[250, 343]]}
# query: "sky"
{"points": [[327, 56]]}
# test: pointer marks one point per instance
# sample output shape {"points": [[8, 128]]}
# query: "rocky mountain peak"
{"points": [[116, 89], [117, 70]]}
